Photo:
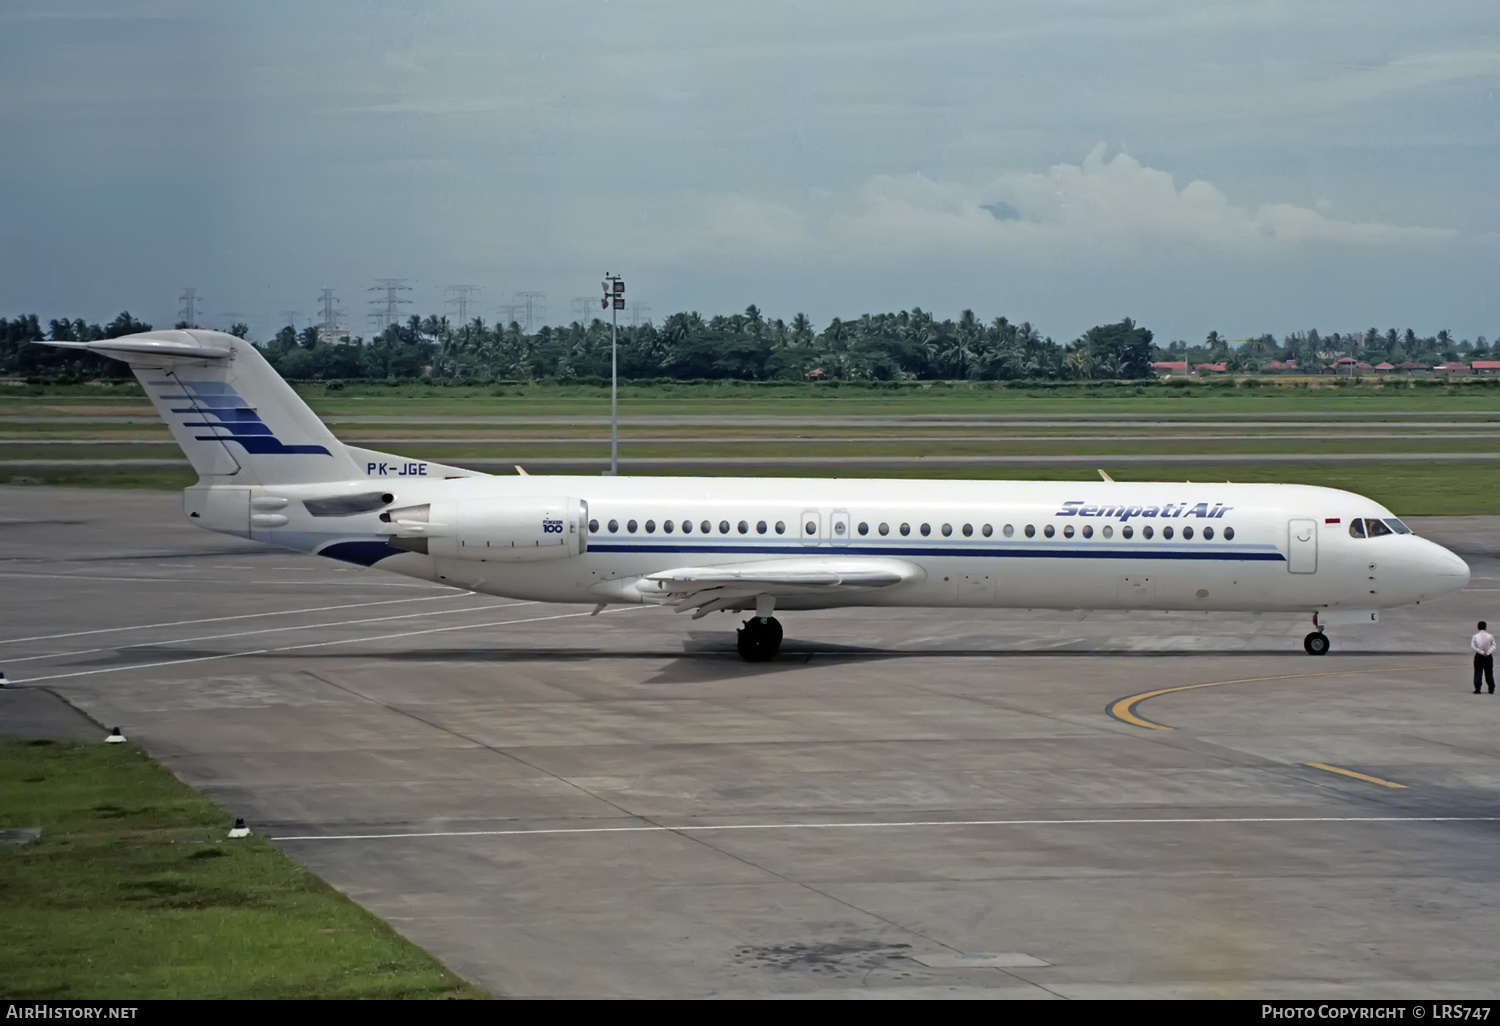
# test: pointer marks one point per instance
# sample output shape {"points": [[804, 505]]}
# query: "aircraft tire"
{"points": [[758, 640], [1316, 643]]}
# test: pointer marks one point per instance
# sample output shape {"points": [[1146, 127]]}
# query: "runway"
{"points": [[904, 803]]}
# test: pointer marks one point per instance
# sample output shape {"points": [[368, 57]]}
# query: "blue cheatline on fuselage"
{"points": [[368, 553], [364, 553], [233, 418], [1041, 550]]}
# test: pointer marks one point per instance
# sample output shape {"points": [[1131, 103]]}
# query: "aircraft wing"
{"points": [[705, 589]]}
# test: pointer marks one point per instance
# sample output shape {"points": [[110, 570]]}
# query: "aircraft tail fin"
{"points": [[235, 418]]}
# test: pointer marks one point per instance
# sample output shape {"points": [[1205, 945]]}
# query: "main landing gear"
{"points": [[759, 638], [1316, 643]]}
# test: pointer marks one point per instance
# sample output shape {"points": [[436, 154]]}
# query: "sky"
{"points": [[1241, 167]]}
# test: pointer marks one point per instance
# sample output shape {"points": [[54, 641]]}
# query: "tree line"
{"points": [[909, 345]]}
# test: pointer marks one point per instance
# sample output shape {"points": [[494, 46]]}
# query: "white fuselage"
{"points": [[1092, 545]]}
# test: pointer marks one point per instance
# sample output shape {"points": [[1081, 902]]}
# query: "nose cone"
{"points": [[1445, 572]]}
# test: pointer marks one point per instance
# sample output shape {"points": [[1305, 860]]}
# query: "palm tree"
{"points": [[802, 330]]}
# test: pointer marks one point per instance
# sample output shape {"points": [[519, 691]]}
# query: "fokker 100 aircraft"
{"points": [[270, 471]]}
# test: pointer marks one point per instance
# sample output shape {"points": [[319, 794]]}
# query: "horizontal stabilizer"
{"points": [[155, 348]]}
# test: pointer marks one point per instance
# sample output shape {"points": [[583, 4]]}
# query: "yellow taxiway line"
{"points": [[1123, 709], [1357, 776]]}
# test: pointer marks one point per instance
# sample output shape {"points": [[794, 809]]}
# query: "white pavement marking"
{"points": [[265, 630], [299, 648], [238, 616], [194, 580], [894, 825]]}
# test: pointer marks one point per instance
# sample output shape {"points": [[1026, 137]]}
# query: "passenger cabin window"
{"points": [[1031, 530], [864, 528], [614, 525], [1375, 528], [1166, 532], [723, 527], [781, 527], [1147, 531], [593, 526], [666, 526], [947, 530], [884, 530], [1068, 531], [926, 530], [987, 530], [838, 527], [1127, 532], [1049, 530], [968, 530], [1187, 533], [905, 530], [744, 527], [1208, 533], [1229, 534], [630, 526], [651, 527], [1088, 532], [1008, 531], [760, 527], [1109, 532]]}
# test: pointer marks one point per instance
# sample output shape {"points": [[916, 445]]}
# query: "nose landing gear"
{"points": [[759, 639], [1316, 643]]}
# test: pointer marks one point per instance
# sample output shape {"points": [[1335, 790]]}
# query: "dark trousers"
{"points": [[1484, 666]]}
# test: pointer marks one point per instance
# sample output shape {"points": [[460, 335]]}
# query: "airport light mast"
{"points": [[614, 301]]}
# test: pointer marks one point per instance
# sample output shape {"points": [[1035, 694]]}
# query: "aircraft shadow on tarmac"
{"points": [[708, 656], [1474, 812]]}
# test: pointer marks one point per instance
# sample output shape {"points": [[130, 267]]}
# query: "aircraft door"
{"points": [[812, 527], [1302, 546], [838, 523]]}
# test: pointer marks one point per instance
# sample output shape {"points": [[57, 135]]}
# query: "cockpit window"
{"points": [[1375, 528], [1356, 528], [1397, 526]]}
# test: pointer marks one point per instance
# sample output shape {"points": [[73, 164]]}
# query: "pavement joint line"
{"points": [[486, 463], [670, 828], [240, 616], [265, 630], [1357, 776], [1123, 709], [28, 681]]}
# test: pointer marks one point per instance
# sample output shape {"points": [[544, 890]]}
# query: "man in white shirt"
{"points": [[1483, 645]]}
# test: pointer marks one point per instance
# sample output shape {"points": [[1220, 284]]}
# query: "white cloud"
{"points": [[1115, 204]]}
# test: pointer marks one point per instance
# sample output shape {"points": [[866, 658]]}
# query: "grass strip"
{"points": [[1222, 397], [134, 891], [1408, 489]]}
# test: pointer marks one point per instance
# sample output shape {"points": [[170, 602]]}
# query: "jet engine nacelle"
{"points": [[493, 530]]}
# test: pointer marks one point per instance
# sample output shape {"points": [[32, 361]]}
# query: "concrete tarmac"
{"points": [[904, 803]]}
